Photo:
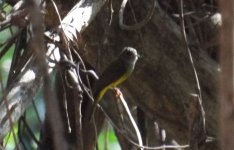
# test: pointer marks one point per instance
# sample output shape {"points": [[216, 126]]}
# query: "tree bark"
{"points": [[161, 84], [163, 80], [226, 77]]}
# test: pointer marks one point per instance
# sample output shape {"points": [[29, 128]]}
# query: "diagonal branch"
{"points": [[20, 94]]}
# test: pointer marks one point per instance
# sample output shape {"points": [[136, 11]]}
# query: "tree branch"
{"points": [[20, 94]]}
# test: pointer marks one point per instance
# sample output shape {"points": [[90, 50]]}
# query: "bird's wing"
{"points": [[112, 73]]}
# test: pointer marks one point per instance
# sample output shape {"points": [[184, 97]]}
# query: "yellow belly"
{"points": [[112, 85]]}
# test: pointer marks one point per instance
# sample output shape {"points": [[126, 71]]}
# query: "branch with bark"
{"points": [[20, 94], [161, 85]]}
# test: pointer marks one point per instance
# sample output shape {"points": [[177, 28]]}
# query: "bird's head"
{"points": [[129, 55]]}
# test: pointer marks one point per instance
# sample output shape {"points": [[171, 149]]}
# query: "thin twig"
{"points": [[29, 130], [111, 11], [9, 43], [9, 113], [121, 98], [9, 116], [19, 134], [201, 109], [137, 25], [188, 50], [36, 111], [142, 146]]}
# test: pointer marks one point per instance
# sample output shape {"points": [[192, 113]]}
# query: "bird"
{"points": [[115, 74]]}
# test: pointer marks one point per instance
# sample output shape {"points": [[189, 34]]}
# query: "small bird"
{"points": [[116, 73]]}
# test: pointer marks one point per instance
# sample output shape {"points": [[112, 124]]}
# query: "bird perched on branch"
{"points": [[116, 73]]}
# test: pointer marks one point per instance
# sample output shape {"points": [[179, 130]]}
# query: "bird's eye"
{"points": [[128, 53]]}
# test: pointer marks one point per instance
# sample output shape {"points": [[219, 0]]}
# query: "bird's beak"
{"points": [[139, 56]]}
